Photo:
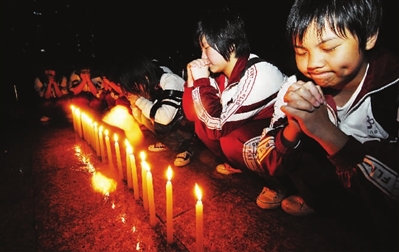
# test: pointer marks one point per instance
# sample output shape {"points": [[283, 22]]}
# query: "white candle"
{"points": [[96, 140], [199, 220], [129, 150], [100, 135], [109, 153], [169, 207], [151, 203], [79, 122], [73, 117], [118, 156], [143, 180], [134, 175]]}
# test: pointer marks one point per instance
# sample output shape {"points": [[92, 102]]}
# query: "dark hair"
{"points": [[138, 73], [225, 32], [49, 66], [362, 18]]}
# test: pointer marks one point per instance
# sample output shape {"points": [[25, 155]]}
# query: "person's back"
{"points": [[155, 99]]}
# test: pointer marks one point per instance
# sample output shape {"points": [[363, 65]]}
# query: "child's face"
{"points": [[330, 60], [217, 63]]}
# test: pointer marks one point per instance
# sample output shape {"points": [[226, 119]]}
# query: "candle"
{"points": [[73, 117], [199, 220], [151, 203], [96, 140], [100, 135], [169, 207], [134, 175], [78, 122], [118, 156], [129, 150], [143, 180], [109, 153]]}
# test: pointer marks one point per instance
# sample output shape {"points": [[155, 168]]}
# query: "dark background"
{"points": [[162, 29]]}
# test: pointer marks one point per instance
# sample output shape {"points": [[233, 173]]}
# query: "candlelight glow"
{"points": [[115, 137], [145, 165], [102, 184], [142, 155], [106, 132], [169, 173], [198, 192], [119, 117]]}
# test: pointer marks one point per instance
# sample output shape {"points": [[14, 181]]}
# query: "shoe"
{"points": [[44, 119], [226, 169], [157, 147], [269, 199], [295, 205], [183, 158]]}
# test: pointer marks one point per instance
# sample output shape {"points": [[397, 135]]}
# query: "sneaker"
{"points": [[44, 119], [226, 169], [183, 158], [157, 147], [269, 199], [296, 206]]}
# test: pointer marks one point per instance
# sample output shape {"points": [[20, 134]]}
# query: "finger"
{"points": [[296, 100]]}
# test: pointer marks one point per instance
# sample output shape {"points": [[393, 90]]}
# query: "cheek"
{"points": [[301, 64]]}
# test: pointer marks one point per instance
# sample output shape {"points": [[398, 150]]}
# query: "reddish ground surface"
{"points": [[48, 202]]}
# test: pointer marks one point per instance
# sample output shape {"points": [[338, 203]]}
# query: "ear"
{"points": [[371, 41]]}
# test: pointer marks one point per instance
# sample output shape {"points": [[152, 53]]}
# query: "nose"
{"points": [[203, 54], [314, 60]]}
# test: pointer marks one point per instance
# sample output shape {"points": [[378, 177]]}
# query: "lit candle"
{"points": [[129, 150], [169, 207], [199, 220], [133, 172], [118, 156], [79, 122], [96, 140], [151, 203], [100, 135], [143, 180], [109, 153], [73, 117]]}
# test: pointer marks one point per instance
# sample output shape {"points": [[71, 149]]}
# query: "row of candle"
{"points": [[89, 130]]}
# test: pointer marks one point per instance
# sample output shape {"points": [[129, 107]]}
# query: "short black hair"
{"points": [[224, 29], [362, 18], [137, 73]]}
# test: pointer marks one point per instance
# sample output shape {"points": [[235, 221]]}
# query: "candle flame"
{"points": [[120, 117], [102, 184], [100, 129], [142, 155], [145, 166], [73, 108], [115, 137], [198, 192], [106, 132], [129, 149], [169, 173]]}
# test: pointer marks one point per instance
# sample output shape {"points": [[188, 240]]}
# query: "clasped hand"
{"points": [[197, 69], [305, 108]]}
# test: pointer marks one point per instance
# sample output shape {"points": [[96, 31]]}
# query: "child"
{"points": [[155, 99], [334, 130], [229, 91]]}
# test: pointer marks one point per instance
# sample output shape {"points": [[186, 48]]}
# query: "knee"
{"points": [[231, 146]]}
